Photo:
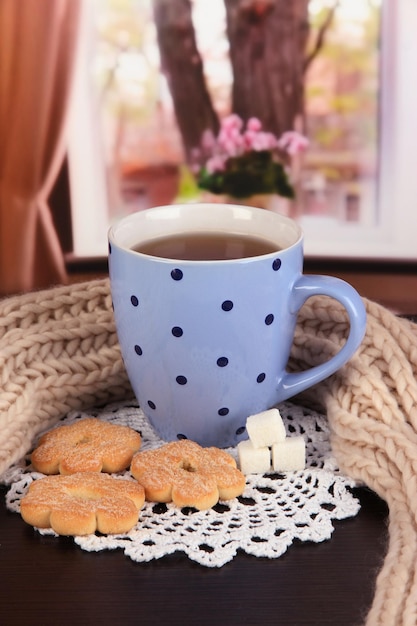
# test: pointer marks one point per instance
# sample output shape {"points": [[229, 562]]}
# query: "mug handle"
{"points": [[313, 285]]}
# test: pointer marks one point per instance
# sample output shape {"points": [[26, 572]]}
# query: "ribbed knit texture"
{"points": [[59, 351]]}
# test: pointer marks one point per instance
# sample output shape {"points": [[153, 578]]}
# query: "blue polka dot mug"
{"points": [[206, 342]]}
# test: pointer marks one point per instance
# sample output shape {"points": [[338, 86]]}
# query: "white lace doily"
{"points": [[274, 510]]}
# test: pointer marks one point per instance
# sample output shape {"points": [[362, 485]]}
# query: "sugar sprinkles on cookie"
{"points": [[89, 445]]}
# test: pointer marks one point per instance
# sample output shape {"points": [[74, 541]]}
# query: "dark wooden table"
{"points": [[48, 581]]}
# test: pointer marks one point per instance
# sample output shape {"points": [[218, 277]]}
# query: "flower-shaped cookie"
{"points": [[89, 445], [82, 503], [187, 474]]}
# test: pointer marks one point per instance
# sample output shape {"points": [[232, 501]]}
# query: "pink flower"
{"points": [[248, 139], [254, 124], [216, 164], [208, 140], [230, 141], [292, 142], [263, 141], [232, 121]]}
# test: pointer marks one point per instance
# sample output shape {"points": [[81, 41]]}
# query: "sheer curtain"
{"points": [[38, 42]]}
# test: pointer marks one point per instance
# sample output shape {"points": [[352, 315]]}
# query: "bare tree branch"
{"points": [[318, 44]]}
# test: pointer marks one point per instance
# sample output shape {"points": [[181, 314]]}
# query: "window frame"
{"points": [[392, 235]]}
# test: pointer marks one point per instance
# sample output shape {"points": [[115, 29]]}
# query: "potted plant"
{"points": [[246, 164]]}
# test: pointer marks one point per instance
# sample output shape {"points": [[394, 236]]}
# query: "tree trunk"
{"points": [[182, 65], [268, 40]]}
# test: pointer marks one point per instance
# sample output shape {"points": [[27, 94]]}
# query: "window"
{"points": [[358, 189]]}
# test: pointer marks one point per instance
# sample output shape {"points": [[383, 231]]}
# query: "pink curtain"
{"points": [[38, 41]]}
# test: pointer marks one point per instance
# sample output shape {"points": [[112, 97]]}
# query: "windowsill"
{"points": [[392, 284]]}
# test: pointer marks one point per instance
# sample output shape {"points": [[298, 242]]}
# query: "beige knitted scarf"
{"points": [[59, 351]]}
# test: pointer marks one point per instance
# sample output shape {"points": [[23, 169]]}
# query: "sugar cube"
{"points": [[253, 460], [266, 428], [289, 455]]}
